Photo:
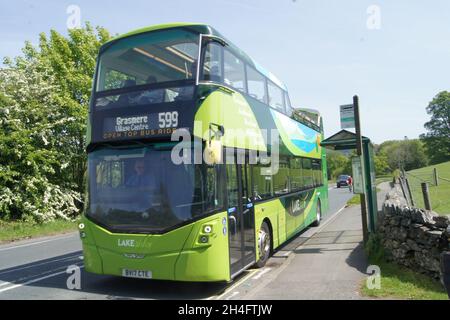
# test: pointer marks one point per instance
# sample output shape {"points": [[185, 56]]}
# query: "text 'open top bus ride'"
{"points": [[148, 216]]}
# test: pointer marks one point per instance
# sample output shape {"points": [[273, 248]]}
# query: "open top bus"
{"points": [[155, 207]]}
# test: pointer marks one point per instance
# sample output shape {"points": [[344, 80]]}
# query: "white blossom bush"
{"points": [[31, 123], [44, 98]]}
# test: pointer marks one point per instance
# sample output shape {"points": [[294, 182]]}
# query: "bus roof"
{"points": [[204, 29]]}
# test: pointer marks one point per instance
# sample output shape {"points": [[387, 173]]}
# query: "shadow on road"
{"points": [[51, 274]]}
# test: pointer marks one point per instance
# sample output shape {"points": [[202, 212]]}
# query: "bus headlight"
{"points": [[204, 239], [207, 229]]}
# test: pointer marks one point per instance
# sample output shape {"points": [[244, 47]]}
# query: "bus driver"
{"points": [[140, 178]]}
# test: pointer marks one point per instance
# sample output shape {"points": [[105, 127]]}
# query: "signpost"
{"points": [[359, 152], [347, 116], [363, 165], [358, 175]]}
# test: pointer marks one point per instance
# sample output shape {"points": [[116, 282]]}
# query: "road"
{"points": [[36, 269]]}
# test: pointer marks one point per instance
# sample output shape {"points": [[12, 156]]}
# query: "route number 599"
{"points": [[168, 119]]}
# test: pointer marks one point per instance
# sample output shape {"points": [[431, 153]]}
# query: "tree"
{"points": [[28, 158], [43, 109], [381, 164], [437, 139], [406, 154], [337, 163]]}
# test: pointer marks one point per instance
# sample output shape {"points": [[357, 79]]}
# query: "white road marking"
{"points": [[36, 265], [261, 273], [31, 281], [233, 286], [232, 295], [36, 243], [16, 285], [287, 253], [331, 218]]}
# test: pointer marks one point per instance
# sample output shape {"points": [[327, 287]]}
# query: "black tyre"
{"points": [[316, 223], [264, 245]]}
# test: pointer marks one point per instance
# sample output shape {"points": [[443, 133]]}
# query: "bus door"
{"points": [[241, 219]]}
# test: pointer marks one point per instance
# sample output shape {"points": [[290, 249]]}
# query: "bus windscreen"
{"points": [[141, 189]]}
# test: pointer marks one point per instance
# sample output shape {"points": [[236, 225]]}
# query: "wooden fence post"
{"points": [[435, 176], [426, 196], [409, 192]]}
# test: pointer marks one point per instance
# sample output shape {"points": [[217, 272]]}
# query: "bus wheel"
{"points": [[264, 245], [316, 222]]}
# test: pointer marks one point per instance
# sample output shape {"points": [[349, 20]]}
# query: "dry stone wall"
{"points": [[413, 237]]}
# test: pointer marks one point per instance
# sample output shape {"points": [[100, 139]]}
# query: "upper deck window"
{"points": [[256, 84], [151, 58], [212, 65], [221, 65], [275, 96], [234, 74]]}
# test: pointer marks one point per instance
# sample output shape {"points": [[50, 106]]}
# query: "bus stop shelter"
{"points": [[346, 140]]}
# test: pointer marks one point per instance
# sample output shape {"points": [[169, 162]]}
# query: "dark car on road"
{"points": [[342, 181]]}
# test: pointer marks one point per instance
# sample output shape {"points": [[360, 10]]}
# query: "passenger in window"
{"points": [[128, 98], [152, 95], [187, 92]]}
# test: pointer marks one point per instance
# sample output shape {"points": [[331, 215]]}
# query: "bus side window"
{"points": [[281, 183], [275, 96], [296, 174], [317, 169], [262, 182], [234, 74], [288, 106], [232, 186], [307, 173], [256, 84]]}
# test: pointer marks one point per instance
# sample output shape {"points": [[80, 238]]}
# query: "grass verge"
{"points": [[20, 230], [398, 282], [382, 179], [354, 201]]}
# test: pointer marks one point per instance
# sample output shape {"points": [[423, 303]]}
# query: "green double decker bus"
{"points": [[198, 165]]}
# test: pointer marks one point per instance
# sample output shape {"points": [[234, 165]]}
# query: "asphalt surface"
{"points": [[36, 269]]}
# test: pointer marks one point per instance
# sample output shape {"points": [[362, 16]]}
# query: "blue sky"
{"points": [[322, 50]]}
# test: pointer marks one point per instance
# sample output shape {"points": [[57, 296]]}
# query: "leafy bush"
{"points": [[43, 109], [374, 248]]}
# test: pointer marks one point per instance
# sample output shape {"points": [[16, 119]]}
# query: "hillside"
{"points": [[440, 195]]}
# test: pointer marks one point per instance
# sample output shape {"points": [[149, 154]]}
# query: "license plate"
{"points": [[141, 274]]}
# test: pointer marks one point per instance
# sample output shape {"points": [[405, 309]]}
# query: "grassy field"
{"points": [[13, 231], [440, 199]]}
